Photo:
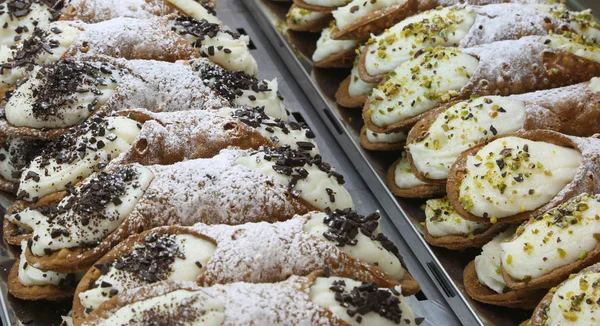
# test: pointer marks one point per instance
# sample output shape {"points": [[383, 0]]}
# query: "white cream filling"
{"points": [[462, 126], [418, 85], [301, 16], [324, 297], [366, 249], [184, 270], [194, 9], [312, 189], [230, 53], [19, 109], [445, 26], [594, 85], [582, 22], [512, 175], [326, 3], [326, 46], [442, 220], [31, 276], [576, 302], [357, 9], [357, 86], [208, 311], [55, 176], [389, 138], [63, 40], [487, 264], [39, 16], [574, 44], [548, 243], [403, 175], [272, 103], [97, 229]]}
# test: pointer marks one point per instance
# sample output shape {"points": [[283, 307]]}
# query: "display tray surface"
{"points": [[443, 266], [428, 304]]}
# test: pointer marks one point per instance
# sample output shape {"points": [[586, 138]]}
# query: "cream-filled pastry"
{"points": [[442, 220], [511, 175], [488, 265], [31, 276], [16, 154], [19, 18], [301, 16], [357, 9], [386, 138], [197, 9], [326, 46], [582, 22], [403, 175], [575, 302], [326, 3], [574, 43], [357, 86]]}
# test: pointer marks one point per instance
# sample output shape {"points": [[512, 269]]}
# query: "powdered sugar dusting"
{"points": [[92, 11]]}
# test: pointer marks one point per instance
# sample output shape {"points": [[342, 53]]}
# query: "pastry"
{"points": [[15, 155], [316, 299], [325, 6], [441, 135], [515, 177], [304, 20], [19, 19], [332, 53], [353, 91], [393, 141], [500, 68], [403, 183]]}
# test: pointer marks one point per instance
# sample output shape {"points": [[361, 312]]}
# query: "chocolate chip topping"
{"points": [[207, 6], [200, 29], [26, 57], [256, 117], [344, 225], [367, 298], [21, 8], [20, 153]]}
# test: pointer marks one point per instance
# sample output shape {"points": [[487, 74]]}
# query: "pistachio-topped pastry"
{"points": [[582, 22], [442, 220], [488, 265]]}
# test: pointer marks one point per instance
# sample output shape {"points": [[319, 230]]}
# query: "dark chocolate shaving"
{"points": [[367, 298], [256, 117]]}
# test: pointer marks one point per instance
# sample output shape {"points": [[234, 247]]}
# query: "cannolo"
{"points": [[325, 6], [221, 46], [334, 54], [582, 22], [317, 299], [234, 187], [441, 135], [393, 141], [114, 38], [15, 155], [483, 280], [19, 19], [353, 91], [403, 183], [67, 92], [444, 228], [515, 177], [304, 20], [573, 302], [94, 11], [547, 248], [358, 19], [457, 27], [220, 258], [500, 68]]}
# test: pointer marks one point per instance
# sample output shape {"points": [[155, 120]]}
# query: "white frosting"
{"points": [[442, 220], [194, 249], [462, 126], [366, 249], [270, 100], [552, 241], [323, 296], [326, 3], [70, 221], [403, 175], [445, 26], [326, 46], [418, 85], [31, 276], [230, 53], [19, 109], [312, 189], [575, 302], [357, 9], [54, 176], [357, 86], [301, 16], [575, 44], [594, 85], [543, 169], [208, 311], [195, 9], [487, 264], [389, 138], [39, 16]]}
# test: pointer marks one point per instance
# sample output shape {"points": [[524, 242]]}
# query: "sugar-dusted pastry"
{"points": [[358, 19], [392, 141], [455, 27], [582, 22], [234, 187], [304, 20], [483, 280], [49, 43], [437, 140], [279, 250], [515, 177], [573, 302], [353, 91], [220, 45], [19, 18], [403, 183], [500, 68], [93, 11], [15, 155], [549, 247], [445, 228], [317, 299], [332, 53]]}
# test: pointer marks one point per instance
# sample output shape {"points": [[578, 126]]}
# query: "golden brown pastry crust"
{"points": [[343, 98], [459, 242], [36, 292], [422, 191], [343, 59], [313, 26], [365, 143]]}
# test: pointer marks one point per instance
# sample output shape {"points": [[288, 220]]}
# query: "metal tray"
{"points": [[443, 266], [428, 304]]}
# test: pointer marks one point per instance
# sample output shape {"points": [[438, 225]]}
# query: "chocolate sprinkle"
{"points": [[200, 29], [256, 117], [367, 298]]}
